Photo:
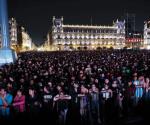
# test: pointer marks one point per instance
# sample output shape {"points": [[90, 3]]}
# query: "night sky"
{"points": [[36, 15]]}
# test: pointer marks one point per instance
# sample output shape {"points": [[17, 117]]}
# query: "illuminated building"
{"points": [[66, 37], [48, 43], [13, 33], [26, 40], [136, 41], [20, 40], [147, 35]]}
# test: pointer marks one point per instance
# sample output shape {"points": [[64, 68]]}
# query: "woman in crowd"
{"points": [[19, 102]]}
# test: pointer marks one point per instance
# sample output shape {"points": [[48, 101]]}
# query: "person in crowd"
{"points": [[61, 101], [146, 98], [47, 101], [117, 98], [5, 103], [19, 102], [146, 93], [33, 103], [83, 104], [94, 105], [41, 75], [138, 88], [106, 95], [74, 107], [106, 92], [129, 96]]}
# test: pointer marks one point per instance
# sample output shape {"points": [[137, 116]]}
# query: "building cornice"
{"points": [[89, 27]]}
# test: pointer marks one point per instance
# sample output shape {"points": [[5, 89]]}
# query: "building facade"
{"points": [[81, 37], [20, 40], [135, 42], [13, 33], [26, 40], [147, 35]]}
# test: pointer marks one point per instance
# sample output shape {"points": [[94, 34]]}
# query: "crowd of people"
{"points": [[88, 87]]}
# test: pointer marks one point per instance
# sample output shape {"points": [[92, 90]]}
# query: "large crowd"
{"points": [[88, 87]]}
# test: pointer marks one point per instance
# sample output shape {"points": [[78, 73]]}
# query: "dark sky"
{"points": [[36, 15]]}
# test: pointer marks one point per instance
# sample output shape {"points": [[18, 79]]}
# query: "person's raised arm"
{"points": [[56, 98], [67, 97]]}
